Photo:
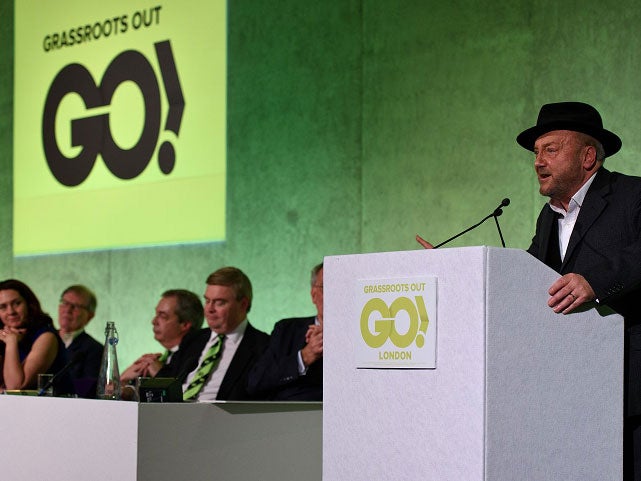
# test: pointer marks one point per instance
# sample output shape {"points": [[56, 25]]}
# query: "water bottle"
{"points": [[109, 377]]}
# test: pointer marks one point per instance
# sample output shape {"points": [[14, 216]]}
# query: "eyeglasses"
{"points": [[73, 306]]}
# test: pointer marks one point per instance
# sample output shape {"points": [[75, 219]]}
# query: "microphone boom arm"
{"points": [[464, 232], [497, 212], [496, 219]]}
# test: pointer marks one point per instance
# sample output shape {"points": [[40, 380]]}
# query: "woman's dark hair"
{"points": [[36, 318]]}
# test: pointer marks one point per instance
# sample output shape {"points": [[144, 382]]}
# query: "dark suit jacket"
{"points": [[276, 376], [84, 373], [605, 248], [181, 360], [234, 385]]}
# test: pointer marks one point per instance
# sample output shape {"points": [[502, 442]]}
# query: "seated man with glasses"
{"points": [[77, 307]]}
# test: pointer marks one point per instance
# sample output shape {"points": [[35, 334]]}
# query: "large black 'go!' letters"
{"points": [[92, 132]]}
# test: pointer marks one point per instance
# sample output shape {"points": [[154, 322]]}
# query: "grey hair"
{"points": [[317, 268]]}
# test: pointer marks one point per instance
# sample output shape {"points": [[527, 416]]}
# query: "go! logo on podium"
{"points": [[397, 323], [385, 326]]}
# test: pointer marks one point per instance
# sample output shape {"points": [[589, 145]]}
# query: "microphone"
{"points": [[496, 213], [77, 357]]}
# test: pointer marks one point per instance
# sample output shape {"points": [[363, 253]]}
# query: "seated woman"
{"points": [[29, 344]]}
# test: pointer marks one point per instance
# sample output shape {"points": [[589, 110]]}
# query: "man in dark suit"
{"points": [[292, 367], [590, 232], [176, 323], [76, 308], [223, 354]]}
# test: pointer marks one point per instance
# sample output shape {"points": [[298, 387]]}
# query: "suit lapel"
{"points": [[593, 206], [241, 357], [546, 231]]}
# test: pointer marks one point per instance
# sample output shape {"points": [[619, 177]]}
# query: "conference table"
{"points": [[85, 439]]}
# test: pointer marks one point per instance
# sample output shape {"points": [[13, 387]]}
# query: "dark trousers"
{"points": [[632, 449]]}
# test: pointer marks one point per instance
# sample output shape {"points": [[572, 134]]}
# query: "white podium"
{"points": [[518, 392]]}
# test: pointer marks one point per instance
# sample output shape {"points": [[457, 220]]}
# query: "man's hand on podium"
{"points": [[423, 242], [568, 292]]}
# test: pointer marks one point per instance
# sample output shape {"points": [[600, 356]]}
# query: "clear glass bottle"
{"points": [[109, 377]]}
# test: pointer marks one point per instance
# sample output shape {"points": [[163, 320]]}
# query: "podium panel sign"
{"points": [[397, 325]]}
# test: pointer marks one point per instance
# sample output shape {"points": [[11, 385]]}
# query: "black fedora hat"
{"points": [[575, 116]]}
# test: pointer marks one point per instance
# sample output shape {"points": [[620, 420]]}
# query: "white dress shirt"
{"points": [[567, 219], [229, 346]]}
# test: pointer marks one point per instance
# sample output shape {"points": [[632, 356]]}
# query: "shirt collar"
{"points": [[577, 199], [234, 335], [68, 337]]}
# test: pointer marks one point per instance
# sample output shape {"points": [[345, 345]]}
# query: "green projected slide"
{"points": [[119, 124]]}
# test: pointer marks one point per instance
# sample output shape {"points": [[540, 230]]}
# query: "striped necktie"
{"points": [[163, 357], [204, 370]]}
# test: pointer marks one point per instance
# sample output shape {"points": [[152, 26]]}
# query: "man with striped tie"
{"points": [[230, 347]]}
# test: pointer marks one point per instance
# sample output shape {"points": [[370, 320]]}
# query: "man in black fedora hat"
{"points": [[590, 232]]}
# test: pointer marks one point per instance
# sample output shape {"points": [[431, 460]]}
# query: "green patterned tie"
{"points": [[204, 370], [163, 357]]}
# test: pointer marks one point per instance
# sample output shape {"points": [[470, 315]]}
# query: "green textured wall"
{"points": [[353, 125]]}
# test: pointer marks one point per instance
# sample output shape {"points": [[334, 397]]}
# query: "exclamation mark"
{"points": [[422, 314], [167, 153]]}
